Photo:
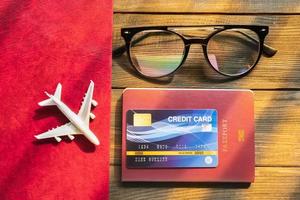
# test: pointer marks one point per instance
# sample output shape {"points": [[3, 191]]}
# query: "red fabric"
{"points": [[43, 43]]}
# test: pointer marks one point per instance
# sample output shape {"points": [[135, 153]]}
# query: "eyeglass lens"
{"points": [[156, 53], [233, 51]]}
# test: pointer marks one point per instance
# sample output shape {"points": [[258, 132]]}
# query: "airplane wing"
{"points": [[85, 109], [66, 129]]}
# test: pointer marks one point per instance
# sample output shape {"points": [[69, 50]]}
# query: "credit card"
{"points": [[172, 138]]}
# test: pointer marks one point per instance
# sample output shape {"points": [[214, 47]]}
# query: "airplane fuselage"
{"points": [[75, 120]]}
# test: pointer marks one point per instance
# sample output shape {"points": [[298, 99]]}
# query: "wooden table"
{"points": [[275, 82]]}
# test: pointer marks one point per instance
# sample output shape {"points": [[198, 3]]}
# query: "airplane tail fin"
{"points": [[50, 102], [57, 92]]}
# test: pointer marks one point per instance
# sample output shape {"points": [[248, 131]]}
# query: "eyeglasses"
{"points": [[231, 50]]}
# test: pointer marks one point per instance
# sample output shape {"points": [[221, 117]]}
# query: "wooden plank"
{"points": [[280, 71], [270, 183], [277, 128], [205, 6]]}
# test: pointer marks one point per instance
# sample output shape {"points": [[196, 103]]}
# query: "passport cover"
{"points": [[235, 123], [43, 43]]}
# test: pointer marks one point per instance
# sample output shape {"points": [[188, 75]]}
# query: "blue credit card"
{"points": [[171, 138]]}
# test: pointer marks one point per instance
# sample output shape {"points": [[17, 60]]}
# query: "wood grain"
{"points": [[207, 6], [270, 183], [280, 71], [277, 127]]}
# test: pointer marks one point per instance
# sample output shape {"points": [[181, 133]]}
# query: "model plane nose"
{"points": [[96, 142], [92, 137]]}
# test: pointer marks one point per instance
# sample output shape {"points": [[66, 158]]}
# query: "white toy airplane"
{"points": [[79, 123]]}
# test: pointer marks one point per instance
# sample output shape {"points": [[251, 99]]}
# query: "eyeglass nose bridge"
{"points": [[202, 41]]}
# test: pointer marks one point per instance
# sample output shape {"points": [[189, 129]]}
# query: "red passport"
{"points": [[146, 109], [43, 43]]}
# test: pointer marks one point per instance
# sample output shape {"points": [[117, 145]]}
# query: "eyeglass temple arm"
{"points": [[267, 50], [119, 51]]}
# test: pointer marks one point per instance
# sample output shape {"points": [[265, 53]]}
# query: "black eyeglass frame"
{"points": [[261, 31]]}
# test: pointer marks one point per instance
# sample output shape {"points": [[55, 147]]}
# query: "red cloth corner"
{"points": [[43, 43]]}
